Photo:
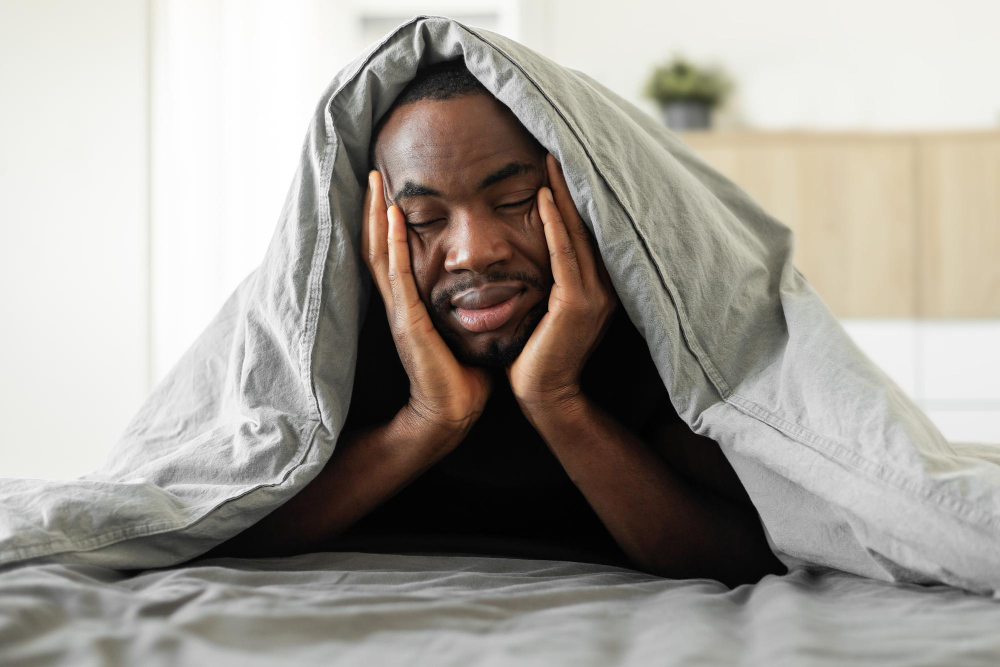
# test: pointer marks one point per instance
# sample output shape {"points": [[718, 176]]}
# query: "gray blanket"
{"points": [[387, 609], [844, 468]]}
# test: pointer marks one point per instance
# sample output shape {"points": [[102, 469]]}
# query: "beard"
{"points": [[500, 352]]}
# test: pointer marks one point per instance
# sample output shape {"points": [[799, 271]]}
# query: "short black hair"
{"points": [[441, 81]]}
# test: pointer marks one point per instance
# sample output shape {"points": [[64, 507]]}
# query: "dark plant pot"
{"points": [[681, 115]]}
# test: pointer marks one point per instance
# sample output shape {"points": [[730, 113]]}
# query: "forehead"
{"points": [[457, 140]]}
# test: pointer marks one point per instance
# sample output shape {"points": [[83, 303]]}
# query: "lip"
{"points": [[484, 297], [479, 320]]}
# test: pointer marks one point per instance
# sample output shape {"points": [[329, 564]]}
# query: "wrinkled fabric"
{"points": [[844, 468], [392, 609]]}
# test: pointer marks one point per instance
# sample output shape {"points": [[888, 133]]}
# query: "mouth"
{"points": [[479, 320]]}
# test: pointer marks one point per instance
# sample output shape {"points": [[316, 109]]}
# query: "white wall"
{"points": [[73, 219], [97, 308], [849, 64]]}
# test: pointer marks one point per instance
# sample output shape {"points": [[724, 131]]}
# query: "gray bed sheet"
{"points": [[353, 608]]}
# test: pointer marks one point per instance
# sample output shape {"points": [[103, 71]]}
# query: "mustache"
{"points": [[442, 301]]}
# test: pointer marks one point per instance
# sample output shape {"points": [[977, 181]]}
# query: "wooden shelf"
{"points": [[887, 224]]}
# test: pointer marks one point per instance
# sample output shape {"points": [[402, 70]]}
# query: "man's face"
{"points": [[468, 172]]}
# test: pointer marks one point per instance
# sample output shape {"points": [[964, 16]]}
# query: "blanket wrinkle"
{"points": [[844, 468]]}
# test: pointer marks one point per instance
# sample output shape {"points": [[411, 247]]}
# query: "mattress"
{"points": [[355, 608]]}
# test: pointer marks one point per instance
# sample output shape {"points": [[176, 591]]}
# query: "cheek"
{"points": [[423, 263]]}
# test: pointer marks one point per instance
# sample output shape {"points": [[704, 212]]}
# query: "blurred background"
{"points": [[146, 147]]}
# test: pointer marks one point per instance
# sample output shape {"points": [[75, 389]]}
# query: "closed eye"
{"points": [[423, 224], [511, 205], [517, 203]]}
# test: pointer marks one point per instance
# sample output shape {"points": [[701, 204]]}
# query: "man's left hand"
{"points": [[547, 372]]}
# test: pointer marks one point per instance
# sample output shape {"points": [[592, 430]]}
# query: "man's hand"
{"points": [[444, 393], [547, 373]]}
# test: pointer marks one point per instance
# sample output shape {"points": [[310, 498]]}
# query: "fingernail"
{"points": [[548, 195], [371, 179]]}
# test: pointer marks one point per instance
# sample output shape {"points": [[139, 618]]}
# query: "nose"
{"points": [[476, 244]]}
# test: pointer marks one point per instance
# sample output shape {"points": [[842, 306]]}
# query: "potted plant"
{"points": [[687, 93]]}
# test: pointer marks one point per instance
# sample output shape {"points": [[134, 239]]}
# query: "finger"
{"points": [[574, 223], [378, 254], [404, 288], [565, 268], [364, 223]]}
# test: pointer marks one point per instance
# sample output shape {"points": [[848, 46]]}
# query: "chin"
{"points": [[499, 351]]}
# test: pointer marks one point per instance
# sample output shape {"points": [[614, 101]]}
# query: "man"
{"points": [[521, 413]]}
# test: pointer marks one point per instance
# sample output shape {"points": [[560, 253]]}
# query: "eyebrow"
{"points": [[510, 169], [514, 168], [411, 189]]}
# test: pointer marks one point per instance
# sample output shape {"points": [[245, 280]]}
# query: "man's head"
{"points": [[464, 173]]}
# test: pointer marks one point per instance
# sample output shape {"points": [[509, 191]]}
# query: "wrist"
{"points": [[419, 426], [555, 408]]}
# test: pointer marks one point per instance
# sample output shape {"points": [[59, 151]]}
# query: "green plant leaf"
{"points": [[679, 79]]}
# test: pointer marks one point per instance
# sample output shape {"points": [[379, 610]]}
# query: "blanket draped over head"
{"points": [[844, 469]]}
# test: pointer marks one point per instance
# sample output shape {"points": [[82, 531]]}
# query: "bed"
{"points": [[354, 608], [858, 492]]}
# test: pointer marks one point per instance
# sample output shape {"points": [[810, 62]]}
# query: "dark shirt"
{"points": [[501, 491]]}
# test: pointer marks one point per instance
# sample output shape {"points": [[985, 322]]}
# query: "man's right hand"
{"points": [[447, 395]]}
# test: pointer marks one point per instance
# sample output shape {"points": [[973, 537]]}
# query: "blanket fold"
{"points": [[845, 470]]}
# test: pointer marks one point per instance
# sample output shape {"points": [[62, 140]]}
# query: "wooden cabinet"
{"points": [[959, 225], [886, 225]]}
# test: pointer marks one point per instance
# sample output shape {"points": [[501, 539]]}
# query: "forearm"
{"points": [[664, 523], [368, 466]]}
